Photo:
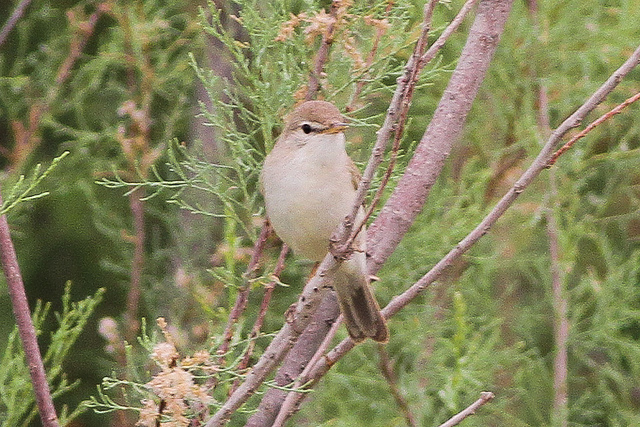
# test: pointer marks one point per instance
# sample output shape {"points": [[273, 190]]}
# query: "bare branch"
{"points": [[296, 364], [420, 59], [485, 397], [616, 110], [444, 130], [561, 322], [13, 20], [370, 58], [26, 135], [264, 305], [323, 53], [243, 293], [559, 415], [288, 407], [298, 318], [386, 369], [27, 331]]}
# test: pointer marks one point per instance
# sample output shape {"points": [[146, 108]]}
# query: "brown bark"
{"points": [[445, 129]]}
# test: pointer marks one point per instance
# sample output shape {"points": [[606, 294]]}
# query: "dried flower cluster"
{"points": [[323, 25], [174, 385]]}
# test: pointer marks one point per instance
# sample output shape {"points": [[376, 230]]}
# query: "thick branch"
{"points": [[444, 130], [26, 329], [274, 408]]}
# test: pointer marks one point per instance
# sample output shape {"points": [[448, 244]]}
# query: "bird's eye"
{"points": [[306, 128]]}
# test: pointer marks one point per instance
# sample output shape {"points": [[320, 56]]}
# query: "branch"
{"points": [[308, 348], [298, 318], [27, 331], [444, 130], [243, 293], [13, 20], [386, 369], [618, 109], [288, 407], [26, 135], [561, 321], [559, 415], [264, 305], [370, 58], [485, 397], [323, 53], [537, 166], [420, 58]]}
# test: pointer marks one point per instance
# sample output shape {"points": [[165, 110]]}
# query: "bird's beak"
{"points": [[336, 127]]}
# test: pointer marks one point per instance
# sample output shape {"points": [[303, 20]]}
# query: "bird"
{"points": [[309, 184]]}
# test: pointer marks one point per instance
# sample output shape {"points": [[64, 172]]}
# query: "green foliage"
{"points": [[22, 189], [17, 401]]}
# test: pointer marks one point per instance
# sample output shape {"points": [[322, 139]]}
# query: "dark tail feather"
{"points": [[361, 310]]}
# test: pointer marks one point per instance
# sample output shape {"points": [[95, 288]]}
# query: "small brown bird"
{"points": [[309, 186]]}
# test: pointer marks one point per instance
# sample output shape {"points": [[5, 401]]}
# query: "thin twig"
{"points": [[136, 205], [26, 136], [243, 293], [13, 20], [264, 306], [537, 166], [561, 321], [362, 81], [27, 331], [451, 28], [618, 109], [323, 53], [386, 369], [485, 397], [559, 415]]}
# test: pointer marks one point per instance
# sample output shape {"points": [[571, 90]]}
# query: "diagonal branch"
{"points": [[243, 293], [26, 329], [298, 318], [445, 129], [485, 397], [323, 53], [420, 58], [13, 20], [616, 110]]}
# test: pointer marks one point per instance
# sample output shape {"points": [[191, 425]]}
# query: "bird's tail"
{"points": [[358, 305]]}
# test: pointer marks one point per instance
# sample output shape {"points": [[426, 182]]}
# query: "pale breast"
{"points": [[306, 203]]}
